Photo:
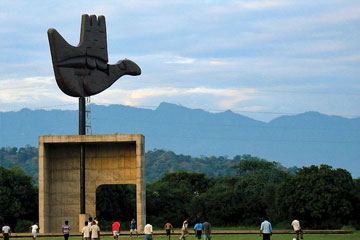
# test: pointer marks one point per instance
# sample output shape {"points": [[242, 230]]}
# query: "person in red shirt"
{"points": [[116, 230]]}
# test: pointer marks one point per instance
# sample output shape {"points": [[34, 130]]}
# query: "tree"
{"points": [[170, 198], [319, 196], [25, 157], [258, 182], [355, 218], [18, 196], [116, 202], [248, 164], [222, 203]]}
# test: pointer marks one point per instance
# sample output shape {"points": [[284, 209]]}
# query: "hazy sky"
{"points": [[258, 58]]}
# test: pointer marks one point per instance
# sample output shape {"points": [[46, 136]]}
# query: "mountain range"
{"points": [[298, 140]]}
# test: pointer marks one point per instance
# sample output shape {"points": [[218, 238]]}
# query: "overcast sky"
{"points": [[258, 58]]}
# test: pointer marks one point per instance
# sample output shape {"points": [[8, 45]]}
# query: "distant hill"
{"points": [[300, 140]]}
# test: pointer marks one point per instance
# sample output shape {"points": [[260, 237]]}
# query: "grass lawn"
{"points": [[353, 236]]}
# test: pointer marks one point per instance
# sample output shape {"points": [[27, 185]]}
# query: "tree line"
{"points": [[158, 162], [247, 190], [319, 196]]}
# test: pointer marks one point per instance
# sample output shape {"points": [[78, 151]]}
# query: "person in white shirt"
{"points": [[296, 226], [95, 231], [6, 231], [66, 230], [86, 231], [148, 232], [184, 230], [34, 228], [90, 224]]}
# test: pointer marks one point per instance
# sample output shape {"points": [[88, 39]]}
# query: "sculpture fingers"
{"points": [[85, 24], [101, 21], [93, 36]]}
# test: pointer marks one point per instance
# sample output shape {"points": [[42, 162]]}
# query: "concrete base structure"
{"points": [[110, 159]]}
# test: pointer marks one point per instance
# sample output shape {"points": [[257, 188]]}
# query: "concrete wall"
{"points": [[110, 159]]}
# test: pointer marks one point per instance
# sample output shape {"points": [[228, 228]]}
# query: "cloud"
{"points": [[219, 63], [28, 90], [316, 47], [257, 5], [201, 55], [220, 98], [181, 60]]}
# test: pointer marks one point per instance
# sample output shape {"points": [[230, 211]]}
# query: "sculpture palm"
{"points": [[84, 70]]}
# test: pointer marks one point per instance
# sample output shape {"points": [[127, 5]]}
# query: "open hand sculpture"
{"points": [[84, 70]]}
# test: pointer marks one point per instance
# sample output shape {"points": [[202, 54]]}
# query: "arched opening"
{"points": [[115, 203]]}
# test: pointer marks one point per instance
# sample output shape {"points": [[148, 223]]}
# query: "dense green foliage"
{"points": [[158, 162], [230, 192], [116, 202], [18, 197], [173, 197], [227, 201], [26, 158], [320, 196]]}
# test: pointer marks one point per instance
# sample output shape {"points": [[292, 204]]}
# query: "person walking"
{"points": [[34, 229], [198, 229], [297, 228], [116, 230], [148, 232], [168, 228], [6, 231], [184, 230], [95, 231], [66, 230], [206, 228], [266, 230], [133, 227], [86, 231]]}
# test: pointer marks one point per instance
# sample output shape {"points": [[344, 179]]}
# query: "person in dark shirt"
{"points": [[206, 228]]}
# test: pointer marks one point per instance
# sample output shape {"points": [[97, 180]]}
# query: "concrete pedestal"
{"points": [[110, 159]]}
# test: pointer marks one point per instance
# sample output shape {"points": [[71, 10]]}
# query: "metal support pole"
{"points": [[82, 110], [82, 154]]}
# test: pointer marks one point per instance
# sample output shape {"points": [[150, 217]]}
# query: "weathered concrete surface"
{"points": [[110, 159]]}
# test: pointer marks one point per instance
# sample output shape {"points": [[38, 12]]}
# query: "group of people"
{"points": [[148, 230], [132, 226], [91, 230], [6, 231], [266, 229], [199, 229]]}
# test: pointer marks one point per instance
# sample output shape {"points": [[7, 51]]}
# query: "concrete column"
{"points": [[82, 219], [140, 185]]}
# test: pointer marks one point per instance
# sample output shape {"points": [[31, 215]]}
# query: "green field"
{"points": [[353, 236]]}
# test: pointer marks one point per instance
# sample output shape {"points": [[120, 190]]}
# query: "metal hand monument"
{"points": [[84, 70]]}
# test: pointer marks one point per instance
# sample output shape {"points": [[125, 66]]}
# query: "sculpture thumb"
{"points": [[60, 49], [123, 67]]}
